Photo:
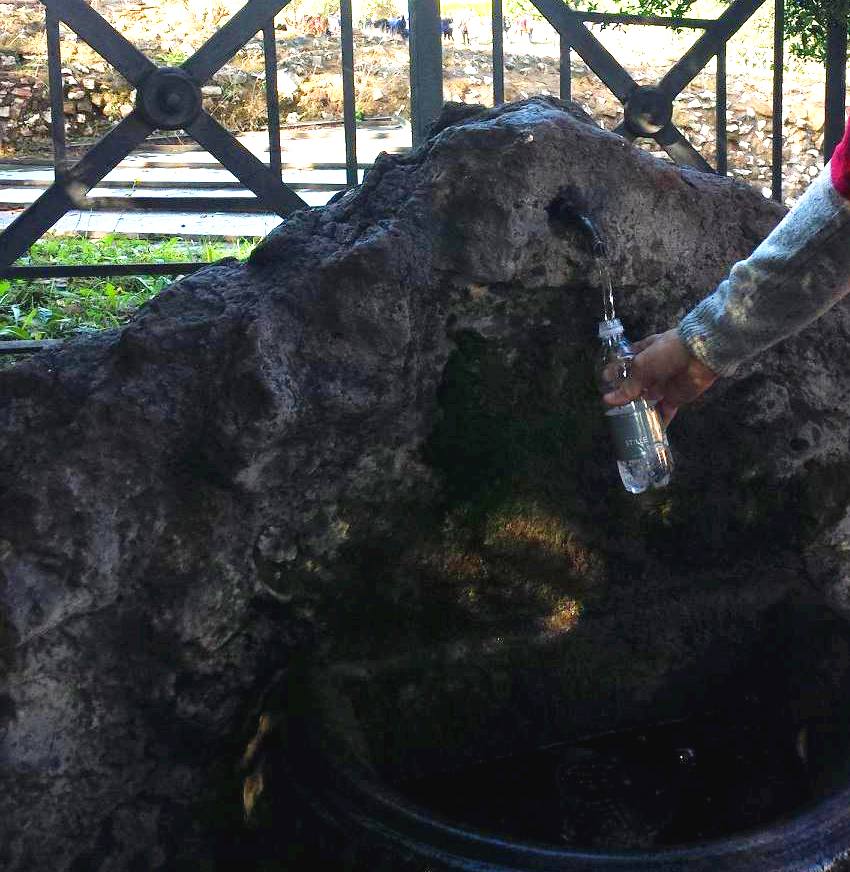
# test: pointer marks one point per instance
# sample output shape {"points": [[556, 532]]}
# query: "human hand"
{"points": [[664, 371]]}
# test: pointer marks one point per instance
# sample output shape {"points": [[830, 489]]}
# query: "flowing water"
{"points": [[608, 313]]}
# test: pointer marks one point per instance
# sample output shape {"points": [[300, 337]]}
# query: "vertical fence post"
{"points": [[349, 108], [272, 102], [426, 65], [778, 114], [721, 97], [498, 54], [836, 79], [54, 73], [566, 80]]}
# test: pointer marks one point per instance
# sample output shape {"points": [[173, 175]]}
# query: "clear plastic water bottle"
{"points": [[640, 440]]}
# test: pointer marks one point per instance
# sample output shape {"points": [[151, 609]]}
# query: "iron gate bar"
{"points": [[179, 204], [565, 79], [694, 60], [57, 271], [57, 108], [721, 140], [836, 80], [272, 107], [230, 37], [60, 197], [568, 23], [778, 82], [346, 39], [166, 98], [426, 66], [250, 170], [498, 27], [103, 38], [611, 18], [27, 346], [649, 109], [106, 203], [203, 64], [175, 143], [719, 31], [676, 144], [685, 71], [189, 184], [180, 144]]}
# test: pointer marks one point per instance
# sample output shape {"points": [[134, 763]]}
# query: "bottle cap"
{"points": [[609, 329]]}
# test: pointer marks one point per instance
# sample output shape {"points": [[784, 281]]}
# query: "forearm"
{"points": [[794, 276]]}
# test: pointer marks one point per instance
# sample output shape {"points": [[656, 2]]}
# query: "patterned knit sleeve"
{"points": [[793, 277]]}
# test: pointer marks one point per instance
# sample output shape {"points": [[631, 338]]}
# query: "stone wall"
{"points": [[750, 130], [93, 99]]}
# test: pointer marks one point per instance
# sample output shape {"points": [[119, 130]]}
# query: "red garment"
{"points": [[840, 165]]}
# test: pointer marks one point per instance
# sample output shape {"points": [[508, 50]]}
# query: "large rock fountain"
{"points": [[377, 448]]}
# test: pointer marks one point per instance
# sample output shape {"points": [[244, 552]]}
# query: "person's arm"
{"points": [[793, 277]]}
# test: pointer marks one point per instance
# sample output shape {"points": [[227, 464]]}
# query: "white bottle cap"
{"points": [[609, 329]]}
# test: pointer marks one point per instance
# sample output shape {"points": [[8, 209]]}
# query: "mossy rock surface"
{"points": [[376, 448]]}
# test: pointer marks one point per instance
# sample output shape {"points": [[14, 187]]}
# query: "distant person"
{"points": [[317, 25], [799, 272], [397, 26]]}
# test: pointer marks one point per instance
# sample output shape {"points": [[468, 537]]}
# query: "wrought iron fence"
{"points": [[169, 98], [648, 110]]}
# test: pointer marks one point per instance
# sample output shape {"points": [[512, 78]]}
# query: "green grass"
{"points": [[58, 308]]}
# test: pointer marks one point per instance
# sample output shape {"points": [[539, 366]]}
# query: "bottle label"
{"points": [[635, 433]]}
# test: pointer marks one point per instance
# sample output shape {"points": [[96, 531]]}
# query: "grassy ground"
{"points": [[56, 308]]}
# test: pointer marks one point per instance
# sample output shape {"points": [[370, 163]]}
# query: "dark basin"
{"points": [[741, 763]]}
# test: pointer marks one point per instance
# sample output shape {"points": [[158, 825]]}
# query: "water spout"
{"points": [[567, 213], [600, 253], [597, 244]]}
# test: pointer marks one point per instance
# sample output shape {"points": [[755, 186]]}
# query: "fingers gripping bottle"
{"points": [[640, 441]]}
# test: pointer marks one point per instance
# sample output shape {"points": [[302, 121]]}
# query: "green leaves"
{"points": [[806, 25], [675, 8], [56, 308], [37, 322]]}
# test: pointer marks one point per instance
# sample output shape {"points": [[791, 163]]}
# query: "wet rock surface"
{"points": [[378, 442]]}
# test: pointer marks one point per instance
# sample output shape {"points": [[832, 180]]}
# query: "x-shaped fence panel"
{"points": [[167, 98], [648, 109]]}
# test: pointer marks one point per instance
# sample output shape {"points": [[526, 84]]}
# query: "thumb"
{"points": [[630, 389], [645, 370]]}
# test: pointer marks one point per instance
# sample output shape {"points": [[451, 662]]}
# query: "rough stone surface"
{"points": [[381, 436]]}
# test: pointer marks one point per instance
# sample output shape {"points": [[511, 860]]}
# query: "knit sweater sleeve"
{"points": [[793, 277]]}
